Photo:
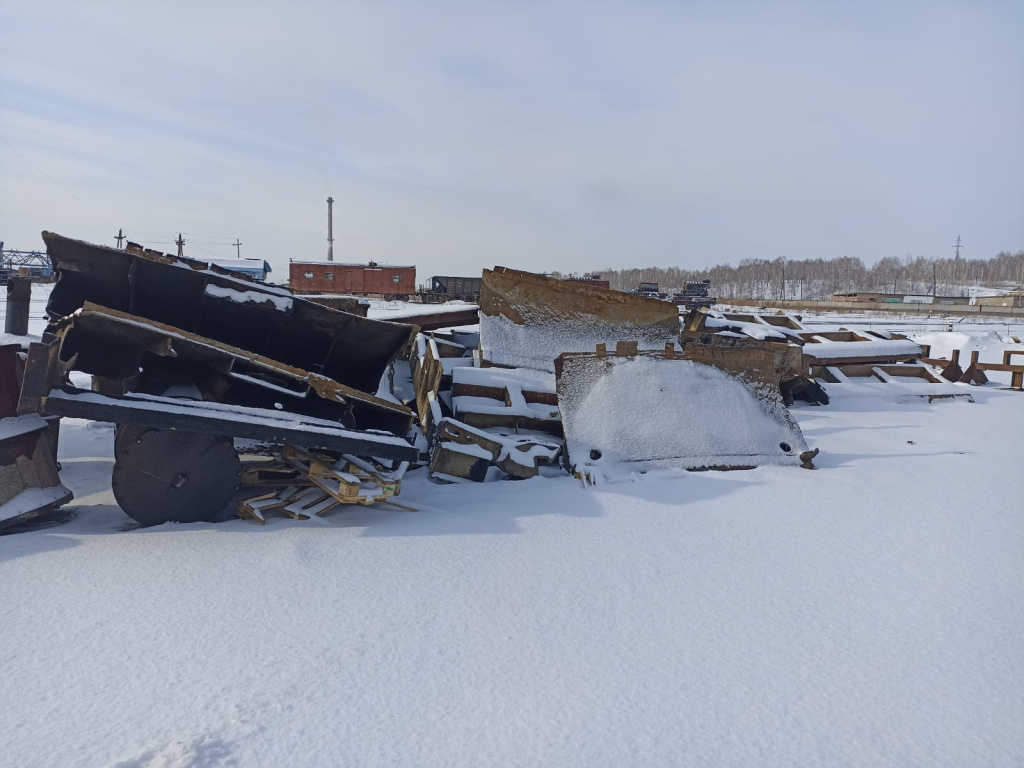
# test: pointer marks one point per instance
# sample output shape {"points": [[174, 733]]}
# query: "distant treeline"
{"points": [[820, 278]]}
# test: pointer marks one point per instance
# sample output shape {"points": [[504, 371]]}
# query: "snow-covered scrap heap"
{"points": [[846, 360], [185, 357], [480, 423], [503, 410]]}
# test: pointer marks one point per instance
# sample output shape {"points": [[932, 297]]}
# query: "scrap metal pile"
{"points": [[597, 382], [186, 358], [196, 365]]}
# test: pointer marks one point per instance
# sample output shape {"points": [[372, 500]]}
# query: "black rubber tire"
{"points": [[163, 475]]}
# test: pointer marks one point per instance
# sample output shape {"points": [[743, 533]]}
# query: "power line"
{"points": [[205, 250], [191, 244], [958, 246], [150, 234], [23, 157], [212, 237], [173, 239]]}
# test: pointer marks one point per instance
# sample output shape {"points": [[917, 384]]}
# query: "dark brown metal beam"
{"points": [[434, 321], [217, 419]]}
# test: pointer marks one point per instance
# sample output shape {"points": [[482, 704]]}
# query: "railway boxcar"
{"points": [[372, 279], [445, 288]]}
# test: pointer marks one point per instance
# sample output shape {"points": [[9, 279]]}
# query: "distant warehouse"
{"points": [[946, 301], [878, 298], [900, 298], [371, 279], [1012, 299]]}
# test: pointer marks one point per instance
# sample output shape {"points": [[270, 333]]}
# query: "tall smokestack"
{"points": [[330, 229]]}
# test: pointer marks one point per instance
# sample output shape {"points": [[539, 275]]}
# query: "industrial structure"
{"points": [[330, 229], [34, 264]]}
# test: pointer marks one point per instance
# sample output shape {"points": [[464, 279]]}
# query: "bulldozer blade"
{"points": [[650, 411], [527, 320]]}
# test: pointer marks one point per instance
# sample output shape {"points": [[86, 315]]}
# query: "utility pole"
{"points": [[330, 229], [933, 279], [238, 248], [120, 237], [181, 246], [956, 259], [783, 279]]}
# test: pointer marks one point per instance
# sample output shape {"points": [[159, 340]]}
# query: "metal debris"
{"points": [[29, 483], [448, 318], [127, 353], [462, 452], [223, 306], [903, 381], [633, 412], [185, 356], [975, 373], [528, 320]]}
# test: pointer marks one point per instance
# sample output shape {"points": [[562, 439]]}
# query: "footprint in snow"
{"points": [[198, 752]]}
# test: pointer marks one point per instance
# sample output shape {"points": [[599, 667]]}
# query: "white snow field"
{"points": [[869, 613]]}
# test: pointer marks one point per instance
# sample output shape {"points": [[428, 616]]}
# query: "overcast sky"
{"points": [[568, 136]]}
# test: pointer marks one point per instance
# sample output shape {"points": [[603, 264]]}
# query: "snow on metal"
{"points": [[647, 411]]}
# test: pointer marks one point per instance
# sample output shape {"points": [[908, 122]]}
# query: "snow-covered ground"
{"points": [[866, 614]]}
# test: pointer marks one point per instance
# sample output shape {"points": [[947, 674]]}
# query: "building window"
{"points": [[328, 275], [308, 275], [396, 278]]}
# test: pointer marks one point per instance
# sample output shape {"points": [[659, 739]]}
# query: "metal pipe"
{"points": [[19, 297], [330, 229]]}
